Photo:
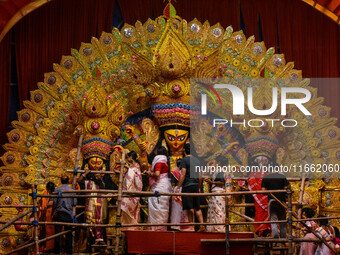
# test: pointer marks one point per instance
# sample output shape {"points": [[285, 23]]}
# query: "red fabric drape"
{"points": [[311, 40], [250, 15], [224, 12], [133, 10], [5, 81], [264, 11], [147, 242], [304, 35], [42, 37]]}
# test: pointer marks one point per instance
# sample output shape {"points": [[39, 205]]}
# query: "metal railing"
{"points": [[118, 225]]}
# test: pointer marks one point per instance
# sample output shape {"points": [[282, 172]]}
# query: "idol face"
{"points": [[261, 161], [96, 163], [176, 138]]}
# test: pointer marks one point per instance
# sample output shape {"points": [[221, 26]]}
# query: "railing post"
{"points": [[290, 221], [227, 224], [74, 182], [119, 202], [35, 215], [302, 190]]}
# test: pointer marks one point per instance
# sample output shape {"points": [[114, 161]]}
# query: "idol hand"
{"points": [[130, 129]]}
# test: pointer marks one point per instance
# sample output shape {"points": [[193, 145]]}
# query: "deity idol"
{"points": [[99, 134]]}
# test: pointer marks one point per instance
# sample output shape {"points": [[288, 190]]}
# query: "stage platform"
{"points": [[161, 242]]}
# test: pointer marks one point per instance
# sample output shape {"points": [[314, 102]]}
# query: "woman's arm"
{"points": [[157, 170], [332, 233], [155, 174], [218, 183]]}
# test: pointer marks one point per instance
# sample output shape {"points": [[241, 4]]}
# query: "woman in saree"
{"points": [[132, 182], [158, 206], [177, 213], [260, 200], [45, 214], [326, 231], [216, 207], [308, 248]]}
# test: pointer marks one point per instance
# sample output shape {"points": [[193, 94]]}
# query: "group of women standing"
{"points": [[132, 182], [159, 206]]}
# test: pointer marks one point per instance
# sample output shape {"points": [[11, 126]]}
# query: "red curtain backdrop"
{"points": [[311, 40], [42, 37], [5, 82]]}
